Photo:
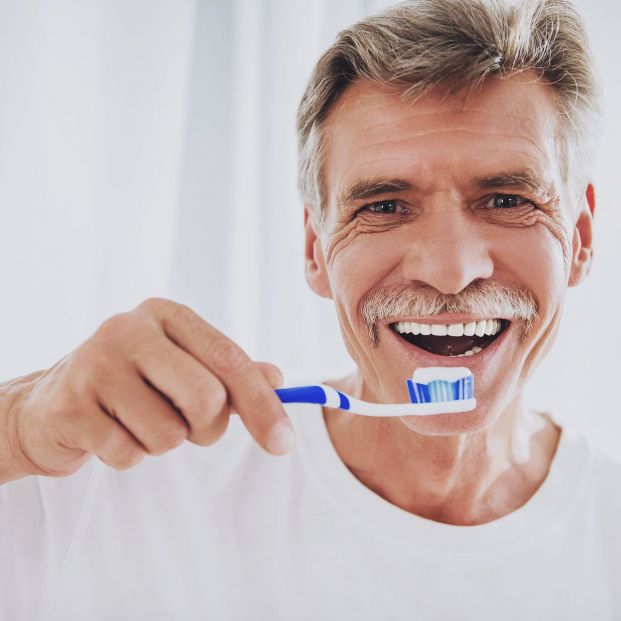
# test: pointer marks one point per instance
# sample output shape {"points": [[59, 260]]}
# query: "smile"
{"points": [[455, 339]]}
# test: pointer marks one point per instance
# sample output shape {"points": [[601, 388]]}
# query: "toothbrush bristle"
{"points": [[438, 390]]}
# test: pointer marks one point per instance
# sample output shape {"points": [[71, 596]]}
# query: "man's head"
{"points": [[444, 158], [419, 46]]}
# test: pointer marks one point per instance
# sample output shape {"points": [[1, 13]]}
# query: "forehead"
{"points": [[507, 124]]}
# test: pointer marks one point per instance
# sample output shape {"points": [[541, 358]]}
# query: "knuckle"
{"points": [[120, 335], [209, 434], [154, 305], [169, 437], [126, 457], [109, 439], [204, 403], [89, 366], [227, 355], [117, 450], [115, 334], [161, 308], [212, 400], [114, 327]]}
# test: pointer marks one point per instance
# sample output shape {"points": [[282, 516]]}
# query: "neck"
{"points": [[463, 479]]}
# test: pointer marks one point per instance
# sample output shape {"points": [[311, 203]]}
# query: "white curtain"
{"points": [[147, 147]]}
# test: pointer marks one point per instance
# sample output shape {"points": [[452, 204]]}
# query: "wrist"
{"points": [[14, 463]]}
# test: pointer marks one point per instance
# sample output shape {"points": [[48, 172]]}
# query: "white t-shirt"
{"points": [[229, 532]]}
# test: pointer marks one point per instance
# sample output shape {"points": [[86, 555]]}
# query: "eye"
{"points": [[385, 207], [507, 201]]}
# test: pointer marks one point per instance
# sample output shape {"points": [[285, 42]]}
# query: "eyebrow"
{"points": [[518, 179], [369, 188], [376, 186]]}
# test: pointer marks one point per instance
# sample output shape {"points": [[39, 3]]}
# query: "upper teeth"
{"points": [[480, 328]]}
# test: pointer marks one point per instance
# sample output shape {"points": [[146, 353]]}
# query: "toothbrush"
{"points": [[432, 390]]}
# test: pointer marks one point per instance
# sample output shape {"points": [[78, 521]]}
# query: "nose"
{"points": [[448, 251]]}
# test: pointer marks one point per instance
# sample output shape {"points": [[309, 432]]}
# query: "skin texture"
{"points": [[446, 232]]}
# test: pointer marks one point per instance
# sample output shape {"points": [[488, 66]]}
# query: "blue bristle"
{"points": [[441, 390], [411, 391]]}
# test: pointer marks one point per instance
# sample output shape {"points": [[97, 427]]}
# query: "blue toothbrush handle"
{"points": [[302, 394], [322, 395]]}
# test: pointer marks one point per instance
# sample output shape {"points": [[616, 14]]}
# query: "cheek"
{"points": [[535, 258], [364, 263]]}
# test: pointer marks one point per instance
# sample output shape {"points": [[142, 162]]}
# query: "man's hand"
{"points": [[142, 384]]}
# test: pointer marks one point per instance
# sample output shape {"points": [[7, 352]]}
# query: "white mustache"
{"points": [[481, 298]]}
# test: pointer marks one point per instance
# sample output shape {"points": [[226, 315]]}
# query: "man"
{"points": [[444, 164]]}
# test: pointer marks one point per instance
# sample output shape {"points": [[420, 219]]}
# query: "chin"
{"points": [[479, 419]]}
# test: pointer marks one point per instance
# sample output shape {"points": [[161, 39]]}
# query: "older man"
{"points": [[444, 163]]}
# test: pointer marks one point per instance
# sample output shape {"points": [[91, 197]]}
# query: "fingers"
{"points": [[150, 418], [101, 435], [195, 392], [250, 394]]}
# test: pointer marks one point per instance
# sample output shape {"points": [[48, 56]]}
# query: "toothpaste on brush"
{"points": [[432, 390]]}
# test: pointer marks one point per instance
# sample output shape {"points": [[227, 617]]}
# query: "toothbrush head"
{"points": [[438, 384]]}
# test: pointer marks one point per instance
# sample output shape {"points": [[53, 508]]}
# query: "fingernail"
{"points": [[281, 438]]}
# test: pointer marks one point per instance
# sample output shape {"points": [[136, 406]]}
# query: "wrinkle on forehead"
{"points": [[423, 123], [411, 153], [449, 132]]}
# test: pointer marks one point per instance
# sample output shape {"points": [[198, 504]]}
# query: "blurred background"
{"points": [[148, 148]]}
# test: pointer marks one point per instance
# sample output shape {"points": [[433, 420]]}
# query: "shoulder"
{"points": [[606, 468], [604, 477]]}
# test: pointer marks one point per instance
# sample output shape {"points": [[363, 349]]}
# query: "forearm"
{"points": [[13, 463]]}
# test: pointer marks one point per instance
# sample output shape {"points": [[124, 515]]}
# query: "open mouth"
{"points": [[455, 339]]}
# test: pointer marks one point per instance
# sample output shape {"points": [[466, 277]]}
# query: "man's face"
{"points": [[472, 196]]}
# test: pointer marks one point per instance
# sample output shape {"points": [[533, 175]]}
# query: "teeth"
{"points": [[475, 350], [456, 329], [480, 328]]}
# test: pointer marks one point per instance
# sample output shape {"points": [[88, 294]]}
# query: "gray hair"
{"points": [[456, 44]]}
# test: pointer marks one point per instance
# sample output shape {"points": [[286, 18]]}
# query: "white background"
{"points": [[147, 147]]}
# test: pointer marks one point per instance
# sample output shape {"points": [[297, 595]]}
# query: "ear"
{"points": [[315, 265], [583, 239]]}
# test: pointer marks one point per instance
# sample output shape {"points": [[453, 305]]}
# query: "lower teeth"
{"points": [[475, 350]]}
